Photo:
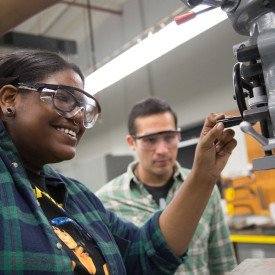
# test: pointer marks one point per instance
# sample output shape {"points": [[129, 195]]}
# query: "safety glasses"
{"points": [[67, 101], [151, 141]]}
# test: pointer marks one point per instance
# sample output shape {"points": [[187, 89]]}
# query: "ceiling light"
{"points": [[151, 48]]}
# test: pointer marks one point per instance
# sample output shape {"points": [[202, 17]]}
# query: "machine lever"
{"points": [[231, 121]]}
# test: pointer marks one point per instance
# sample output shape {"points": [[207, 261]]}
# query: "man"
{"points": [[151, 182]]}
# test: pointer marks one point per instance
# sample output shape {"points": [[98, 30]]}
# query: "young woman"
{"points": [[44, 113]]}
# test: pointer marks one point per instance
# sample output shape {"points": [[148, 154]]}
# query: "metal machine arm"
{"points": [[254, 73]]}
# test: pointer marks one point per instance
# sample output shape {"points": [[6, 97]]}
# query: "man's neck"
{"points": [[152, 179]]}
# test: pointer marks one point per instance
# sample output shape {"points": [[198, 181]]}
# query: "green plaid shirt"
{"points": [[210, 252], [28, 244]]}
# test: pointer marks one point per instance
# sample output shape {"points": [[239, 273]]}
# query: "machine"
{"points": [[254, 72]]}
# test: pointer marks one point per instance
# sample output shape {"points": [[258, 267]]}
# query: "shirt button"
{"points": [[14, 164], [59, 245]]}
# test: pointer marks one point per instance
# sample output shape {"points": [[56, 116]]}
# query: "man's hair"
{"points": [[147, 107], [29, 66]]}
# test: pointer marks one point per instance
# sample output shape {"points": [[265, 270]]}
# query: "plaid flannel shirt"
{"points": [[210, 251], [28, 244]]}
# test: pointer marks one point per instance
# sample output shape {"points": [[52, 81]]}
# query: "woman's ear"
{"points": [[8, 96]]}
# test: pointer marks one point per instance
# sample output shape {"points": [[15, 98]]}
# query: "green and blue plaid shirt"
{"points": [[28, 244], [210, 252]]}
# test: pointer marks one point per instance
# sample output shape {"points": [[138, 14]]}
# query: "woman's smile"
{"points": [[67, 131]]}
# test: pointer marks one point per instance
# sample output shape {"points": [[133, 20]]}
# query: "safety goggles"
{"points": [[151, 141], [67, 101]]}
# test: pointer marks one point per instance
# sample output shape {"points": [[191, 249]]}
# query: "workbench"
{"points": [[255, 267], [253, 244]]}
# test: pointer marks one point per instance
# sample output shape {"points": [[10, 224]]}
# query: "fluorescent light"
{"points": [[151, 48]]}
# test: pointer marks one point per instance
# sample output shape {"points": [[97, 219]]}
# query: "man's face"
{"points": [[156, 153]]}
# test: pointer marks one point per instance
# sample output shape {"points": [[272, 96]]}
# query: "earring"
{"points": [[10, 111]]}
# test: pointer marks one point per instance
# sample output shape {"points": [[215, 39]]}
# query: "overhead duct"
{"points": [[31, 41]]}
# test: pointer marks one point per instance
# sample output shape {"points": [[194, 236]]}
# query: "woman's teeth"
{"points": [[67, 131]]}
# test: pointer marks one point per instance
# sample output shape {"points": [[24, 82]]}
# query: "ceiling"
{"points": [[82, 21], [75, 20], [68, 18], [195, 78]]}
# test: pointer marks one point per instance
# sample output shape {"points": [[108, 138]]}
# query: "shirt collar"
{"points": [[178, 173], [131, 175]]}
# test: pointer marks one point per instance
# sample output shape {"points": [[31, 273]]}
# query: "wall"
{"points": [[195, 78]]}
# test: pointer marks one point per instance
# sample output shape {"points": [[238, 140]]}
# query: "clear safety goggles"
{"points": [[151, 141], [67, 101]]}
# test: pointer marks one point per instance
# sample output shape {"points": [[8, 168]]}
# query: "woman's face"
{"points": [[38, 131]]}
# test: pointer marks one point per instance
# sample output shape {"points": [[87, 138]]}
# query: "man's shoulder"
{"points": [[115, 184], [216, 193], [182, 170]]}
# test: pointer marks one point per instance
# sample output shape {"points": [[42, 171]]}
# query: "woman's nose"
{"points": [[79, 116]]}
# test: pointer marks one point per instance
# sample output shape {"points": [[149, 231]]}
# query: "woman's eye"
{"points": [[62, 97]]}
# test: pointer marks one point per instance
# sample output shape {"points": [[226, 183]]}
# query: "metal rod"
{"points": [[101, 9], [91, 35]]}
